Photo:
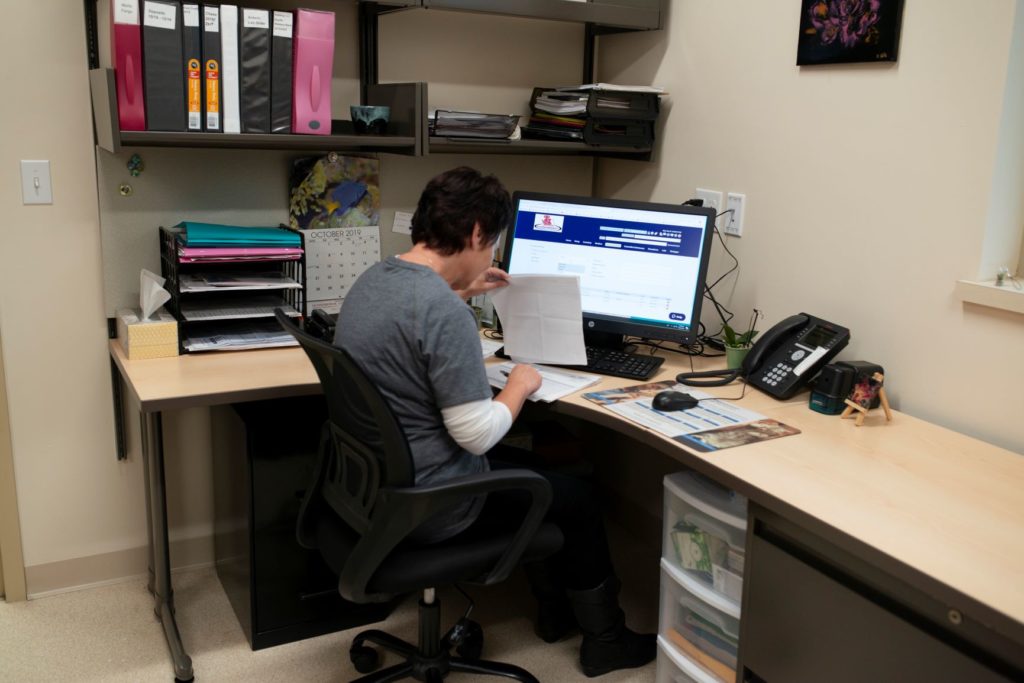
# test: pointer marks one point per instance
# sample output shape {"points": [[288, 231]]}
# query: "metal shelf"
{"points": [[405, 100], [629, 15], [448, 145]]}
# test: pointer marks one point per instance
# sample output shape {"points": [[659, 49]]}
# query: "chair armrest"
{"points": [[403, 510]]}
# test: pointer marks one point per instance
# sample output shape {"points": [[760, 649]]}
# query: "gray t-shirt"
{"points": [[418, 341]]}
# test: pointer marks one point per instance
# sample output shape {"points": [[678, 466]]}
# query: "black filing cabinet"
{"points": [[264, 453]]}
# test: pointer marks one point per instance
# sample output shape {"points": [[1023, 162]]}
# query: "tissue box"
{"points": [[156, 338]]}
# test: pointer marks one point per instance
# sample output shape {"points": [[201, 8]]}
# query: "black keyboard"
{"points": [[615, 363], [621, 364]]}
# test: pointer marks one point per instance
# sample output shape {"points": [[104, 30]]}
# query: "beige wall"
{"points": [[74, 499], [81, 511], [868, 186], [859, 183]]}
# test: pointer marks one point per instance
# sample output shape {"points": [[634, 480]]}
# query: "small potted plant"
{"points": [[737, 344]]}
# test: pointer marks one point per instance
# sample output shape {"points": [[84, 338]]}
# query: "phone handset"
{"points": [[777, 335]]}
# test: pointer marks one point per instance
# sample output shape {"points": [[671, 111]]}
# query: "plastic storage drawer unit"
{"points": [[705, 532], [699, 623], [674, 668]]}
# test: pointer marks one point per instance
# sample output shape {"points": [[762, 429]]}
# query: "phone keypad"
{"points": [[776, 374]]}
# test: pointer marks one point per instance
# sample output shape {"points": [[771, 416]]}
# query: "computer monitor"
{"points": [[642, 266]]}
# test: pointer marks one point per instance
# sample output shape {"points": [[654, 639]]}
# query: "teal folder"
{"points": [[213, 235]]}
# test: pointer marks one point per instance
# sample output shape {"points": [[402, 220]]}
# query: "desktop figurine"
{"points": [[863, 394]]}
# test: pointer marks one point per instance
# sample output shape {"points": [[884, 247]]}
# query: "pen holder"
{"points": [[370, 120]]}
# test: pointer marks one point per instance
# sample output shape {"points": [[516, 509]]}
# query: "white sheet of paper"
{"points": [[403, 223], [542, 319]]}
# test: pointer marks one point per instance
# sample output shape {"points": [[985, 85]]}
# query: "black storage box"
{"points": [[619, 132], [280, 592], [615, 104]]}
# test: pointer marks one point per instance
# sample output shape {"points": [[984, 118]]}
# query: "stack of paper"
{"points": [[473, 124], [235, 254], [555, 102], [239, 337], [555, 382], [219, 282]]}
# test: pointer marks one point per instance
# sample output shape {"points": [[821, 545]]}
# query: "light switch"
{"points": [[35, 182]]}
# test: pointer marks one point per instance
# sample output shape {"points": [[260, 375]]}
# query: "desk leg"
{"points": [[153, 456], [117, 385]]}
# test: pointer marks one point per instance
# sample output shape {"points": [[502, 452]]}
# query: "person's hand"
{"points": [[490, 279], [524, 377]]}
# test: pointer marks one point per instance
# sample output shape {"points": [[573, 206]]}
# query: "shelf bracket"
{"points": [[369, 13]]}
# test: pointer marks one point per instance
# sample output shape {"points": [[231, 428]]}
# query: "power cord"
{"points": [[705, 340]]}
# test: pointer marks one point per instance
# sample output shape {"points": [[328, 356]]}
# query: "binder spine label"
{"points": [[195, 95], [190, 15], [282, 24], [211, 19], [212, 94], [126, 12], [159, 15], [255, 18]]}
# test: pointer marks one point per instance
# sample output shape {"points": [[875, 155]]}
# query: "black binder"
{"points": [[212, 99], [254, 70], [281, 73], [192, 52], [162, 66]]}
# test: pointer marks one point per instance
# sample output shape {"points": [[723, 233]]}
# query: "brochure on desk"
{"points": [[713, 425]]}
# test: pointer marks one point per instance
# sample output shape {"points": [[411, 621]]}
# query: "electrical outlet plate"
{"points": [[734, 221], [712, 198]]}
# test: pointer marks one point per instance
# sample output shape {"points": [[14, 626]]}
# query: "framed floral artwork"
{"points": [[845, 31]]}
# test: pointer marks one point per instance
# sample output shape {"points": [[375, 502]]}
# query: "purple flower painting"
{"points": [[838, 31]]}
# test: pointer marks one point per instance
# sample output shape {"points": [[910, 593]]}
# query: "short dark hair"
{"points": [[453, 202]]}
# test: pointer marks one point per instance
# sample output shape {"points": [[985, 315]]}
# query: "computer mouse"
{"points": [[673, 400]]}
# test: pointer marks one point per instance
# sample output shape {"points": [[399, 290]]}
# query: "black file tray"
{"points": [[172, 270], [619, 133], [635, 106]]}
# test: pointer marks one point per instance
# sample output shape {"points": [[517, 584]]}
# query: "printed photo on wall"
{"points": [[847, 31]]}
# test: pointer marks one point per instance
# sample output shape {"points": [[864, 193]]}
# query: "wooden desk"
{"points": [[936, 513], [159, 384]]}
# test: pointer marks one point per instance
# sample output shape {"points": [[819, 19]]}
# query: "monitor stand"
{"points": [[604, 340]]}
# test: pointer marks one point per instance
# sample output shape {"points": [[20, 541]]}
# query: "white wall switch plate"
{"points": [[712, 198], [35, 183]]}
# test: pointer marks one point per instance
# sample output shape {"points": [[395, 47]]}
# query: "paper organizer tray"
{"points": [[254, 307]]}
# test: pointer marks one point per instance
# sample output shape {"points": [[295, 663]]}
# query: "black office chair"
{"points": [[362, 506]]}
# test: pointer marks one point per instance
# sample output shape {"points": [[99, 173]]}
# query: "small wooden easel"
{"points": [[863, 394]]}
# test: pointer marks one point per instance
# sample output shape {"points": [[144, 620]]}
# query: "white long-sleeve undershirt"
{"points": [[478, 425]]}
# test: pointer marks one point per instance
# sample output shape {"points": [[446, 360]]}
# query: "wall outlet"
{"points": [[734, 221], [712, 198]]}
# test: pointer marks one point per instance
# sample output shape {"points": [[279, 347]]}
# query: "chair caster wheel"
{"points": [[472, 645], [364, 658]]}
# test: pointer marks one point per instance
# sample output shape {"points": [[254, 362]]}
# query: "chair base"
{"points": [[431, 661]]}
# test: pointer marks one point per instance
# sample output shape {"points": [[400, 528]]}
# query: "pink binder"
{"points": [[312, 63], [126, 54]]}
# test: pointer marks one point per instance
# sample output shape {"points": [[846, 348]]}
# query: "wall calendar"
{"points": [[335, 257]]}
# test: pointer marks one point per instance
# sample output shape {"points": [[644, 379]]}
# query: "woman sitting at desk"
{"points": [[405, 321]]}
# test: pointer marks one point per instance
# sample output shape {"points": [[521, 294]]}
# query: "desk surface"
{"points": [[943, 508]]}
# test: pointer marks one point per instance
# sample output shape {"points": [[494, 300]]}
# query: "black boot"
{"points": [[607, 644], [555, 617]]}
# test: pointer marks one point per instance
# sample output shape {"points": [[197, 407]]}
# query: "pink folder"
{"points": [[126, 54], [312, 63]]}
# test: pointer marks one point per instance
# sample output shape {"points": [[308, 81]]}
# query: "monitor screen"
{"points": [[641, 265]]}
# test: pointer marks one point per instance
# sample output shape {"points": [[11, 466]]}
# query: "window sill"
{"points": [[1007, 297]]}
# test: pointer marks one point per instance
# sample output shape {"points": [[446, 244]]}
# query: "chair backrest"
{"points": [[363, 447]]}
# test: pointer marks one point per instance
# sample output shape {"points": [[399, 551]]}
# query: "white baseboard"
{"points": [[105, 569]]}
